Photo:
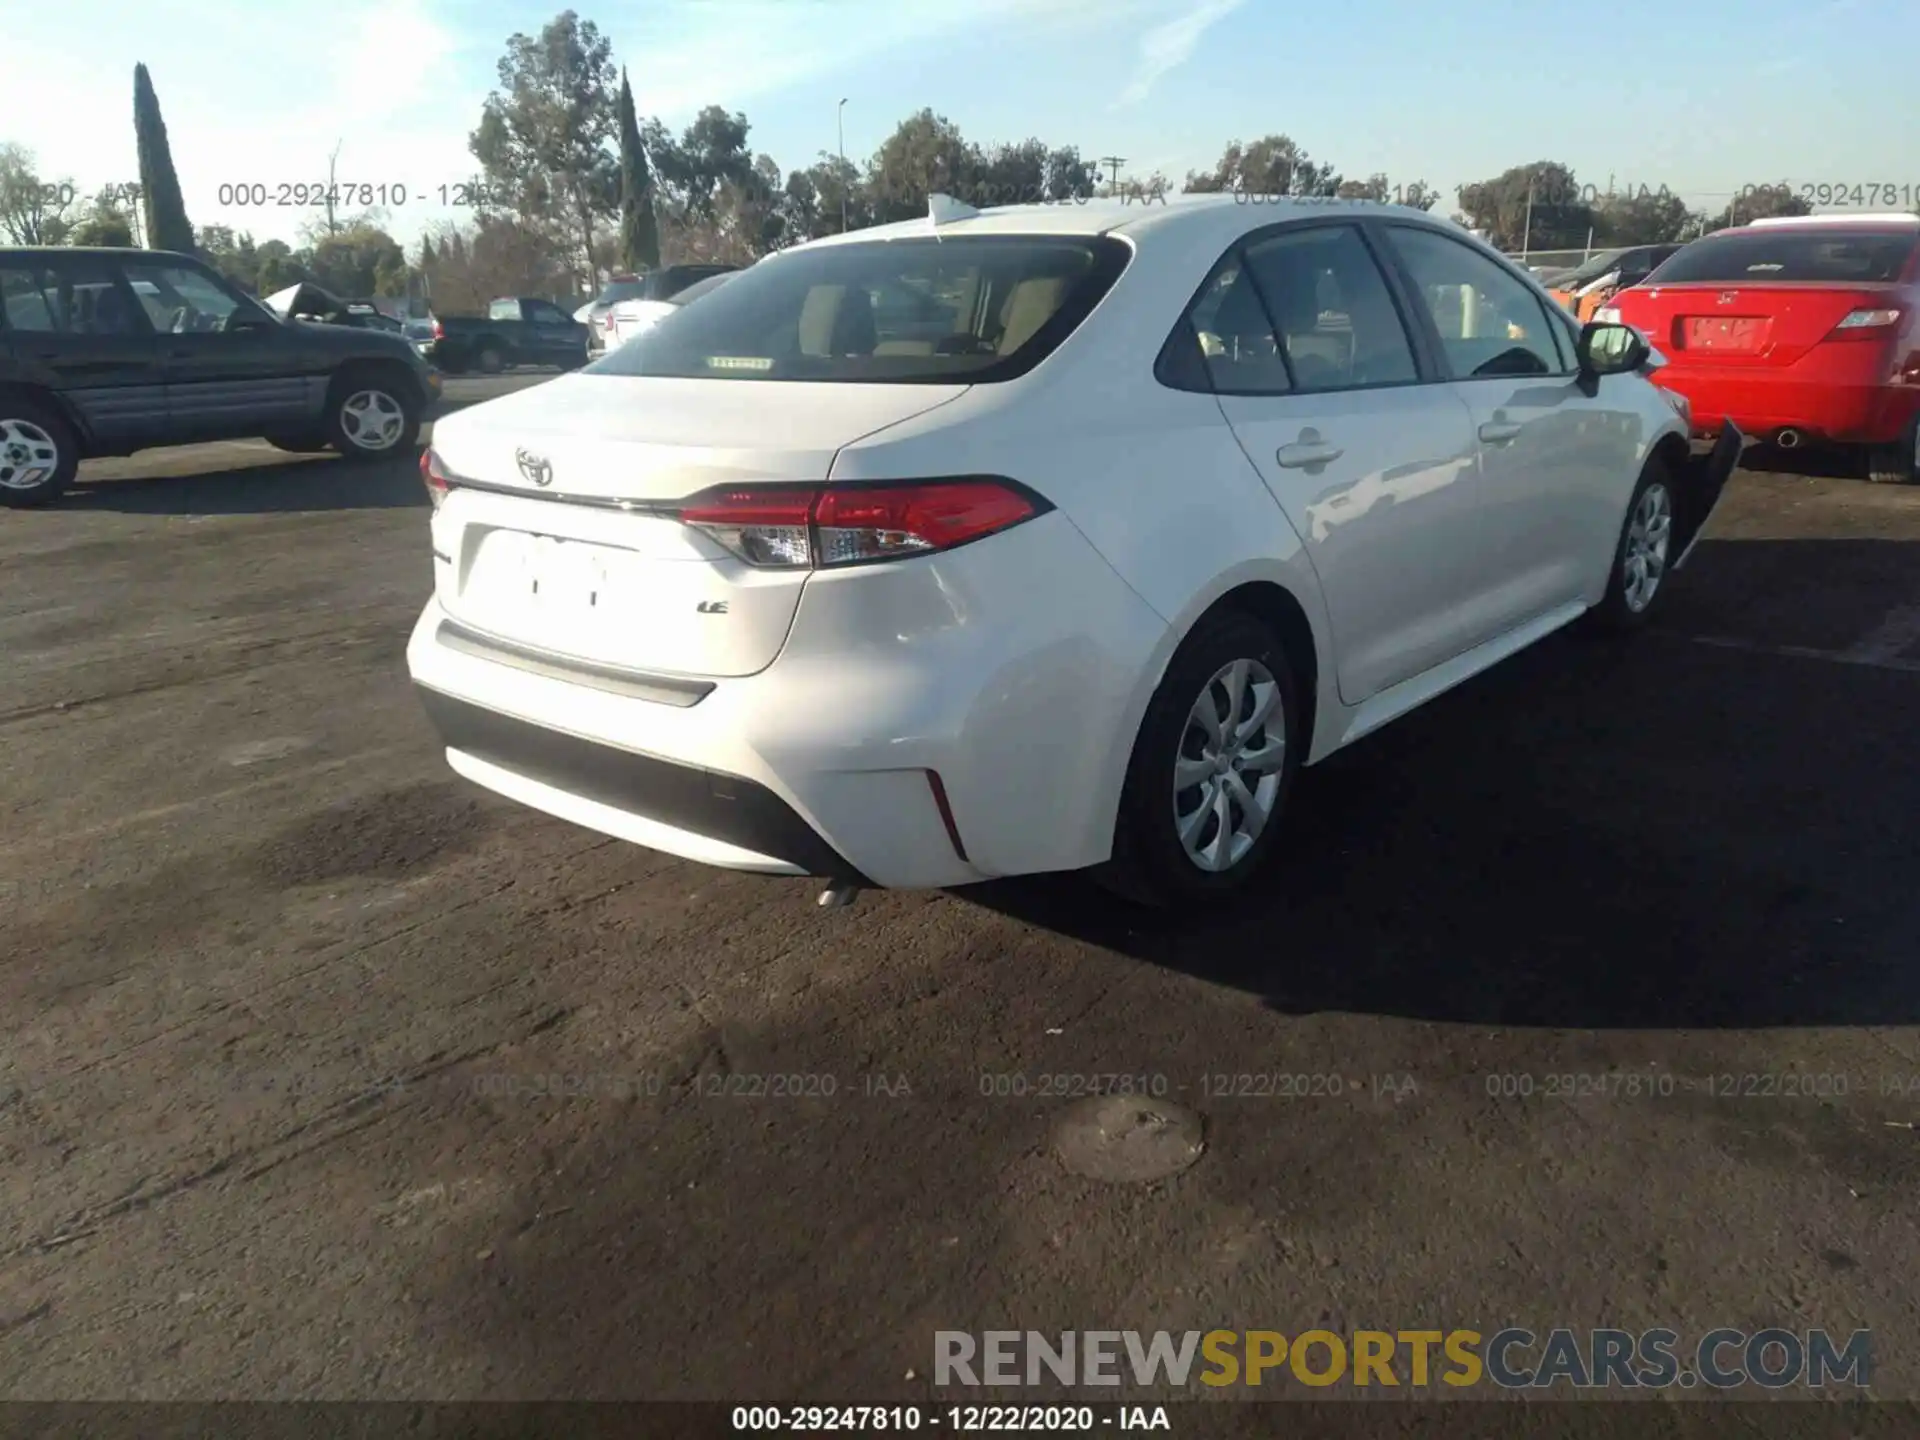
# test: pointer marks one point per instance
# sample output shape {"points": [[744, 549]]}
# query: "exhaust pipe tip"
{"points": [[1788, 439]]}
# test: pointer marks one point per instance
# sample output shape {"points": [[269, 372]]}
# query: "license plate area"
{"points": [[539, 581], [1724, 334]]}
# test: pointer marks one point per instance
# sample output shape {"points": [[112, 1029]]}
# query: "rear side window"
{"points": [[962, 310], [1333, 310], [1810, 256], [80, 296]]}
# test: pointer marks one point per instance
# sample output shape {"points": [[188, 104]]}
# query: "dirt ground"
{"points": [[285, 1005]]}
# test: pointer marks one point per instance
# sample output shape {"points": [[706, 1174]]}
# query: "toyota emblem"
{"points": [[536, 468]]}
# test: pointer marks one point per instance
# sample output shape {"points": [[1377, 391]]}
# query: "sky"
{"points": [[1701, 96]]}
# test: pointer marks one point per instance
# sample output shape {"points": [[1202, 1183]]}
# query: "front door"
{"points": [[232, 367], [75, 328], [1552, 454]]}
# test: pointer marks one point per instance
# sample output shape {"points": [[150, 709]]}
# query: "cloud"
{"points": [[1171, 44]]}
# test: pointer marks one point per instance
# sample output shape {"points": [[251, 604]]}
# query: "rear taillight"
{"points": [[434, 474], [1870, 324], [439, 331], [787, 529]]}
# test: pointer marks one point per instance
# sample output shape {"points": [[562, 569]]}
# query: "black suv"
{"points": [[104, 352]]}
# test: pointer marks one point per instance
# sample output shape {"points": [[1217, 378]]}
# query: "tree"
{"points": [[103, 224], [275, 267], [1537, 206], [1648, 218], [711, 153], [1378, 188], [32, 211], [1760, 202], [925, 155], [358, 262], [166, 212], [544, 134], [639, 226], [1271, 165]]}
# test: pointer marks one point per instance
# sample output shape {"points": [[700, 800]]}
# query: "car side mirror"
{"points": [[1609, 348]]}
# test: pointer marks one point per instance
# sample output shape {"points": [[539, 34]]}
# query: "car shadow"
{"points": [[1660, 833], [1825, 462], [297, 483]]}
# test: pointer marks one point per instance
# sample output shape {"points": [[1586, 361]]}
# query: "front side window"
{"points": [[179, 299], [964, 310], [1489, 323], [1333, 310]]}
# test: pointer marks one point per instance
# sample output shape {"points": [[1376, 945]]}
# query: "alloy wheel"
{"points": [[1649, 534], [1227, 772], [372, 420], [28, 455]]}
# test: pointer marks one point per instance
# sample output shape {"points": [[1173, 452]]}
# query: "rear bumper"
{"points": [[1844, 413], [1003, 668], [739, 822]]}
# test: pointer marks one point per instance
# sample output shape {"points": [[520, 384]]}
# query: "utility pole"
{"points": [[1526, 236], [1115, 161], [332, 160], [840, 120]]}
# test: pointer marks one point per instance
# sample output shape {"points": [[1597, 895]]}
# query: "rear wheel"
{"points": [[39, 453], [1211, 768], [1898, 463], [489, 361], [1643, 555], [371, 415]]}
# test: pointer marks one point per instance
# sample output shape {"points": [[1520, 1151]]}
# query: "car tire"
{"points": [[372, 415], [39, 452], [1172, 846], [297, 444], [1643, 556], [1898, 463], [489, 361]]}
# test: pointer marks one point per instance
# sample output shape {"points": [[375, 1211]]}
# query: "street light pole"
{"points": [[840, 121]]}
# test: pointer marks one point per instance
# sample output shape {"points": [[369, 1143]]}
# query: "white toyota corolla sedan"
{"points": [[1036, 539]]}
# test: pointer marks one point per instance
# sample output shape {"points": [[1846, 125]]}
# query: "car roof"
{"points": [[1188, 217], [54, 252]]}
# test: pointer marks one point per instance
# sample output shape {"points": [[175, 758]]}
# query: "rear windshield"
{"points": [[619, 290], [964, 310], [701, 287], [1857, 256]]}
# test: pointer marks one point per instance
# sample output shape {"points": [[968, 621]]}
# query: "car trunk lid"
{"points": [[1752, 325], [560, 530]]}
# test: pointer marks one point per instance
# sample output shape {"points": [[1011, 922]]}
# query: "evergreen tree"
{"points": [[639, 231], [166, 212]]}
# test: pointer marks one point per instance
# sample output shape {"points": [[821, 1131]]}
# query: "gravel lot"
{"points": [[280, 993]]}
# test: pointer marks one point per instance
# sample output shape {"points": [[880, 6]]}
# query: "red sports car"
{"points": [[1796, 329]]}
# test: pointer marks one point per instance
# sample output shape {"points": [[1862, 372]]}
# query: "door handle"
{"points": [[1498, 432], [1303, 453]]}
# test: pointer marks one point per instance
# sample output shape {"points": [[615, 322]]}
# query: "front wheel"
{"points": [[39, 453], [370, 416], [1211, 770], [1642, 556]]}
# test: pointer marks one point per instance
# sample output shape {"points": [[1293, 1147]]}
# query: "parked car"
{"points": [[1586, 287], [655, 285], [1081, 582], [630, 318], [1803, 328], [516, 330], [109, 351]]}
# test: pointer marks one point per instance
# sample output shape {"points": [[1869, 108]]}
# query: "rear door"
{"points": [[1369, 454], [232, 368], [75, 328], [1556, 464]]}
